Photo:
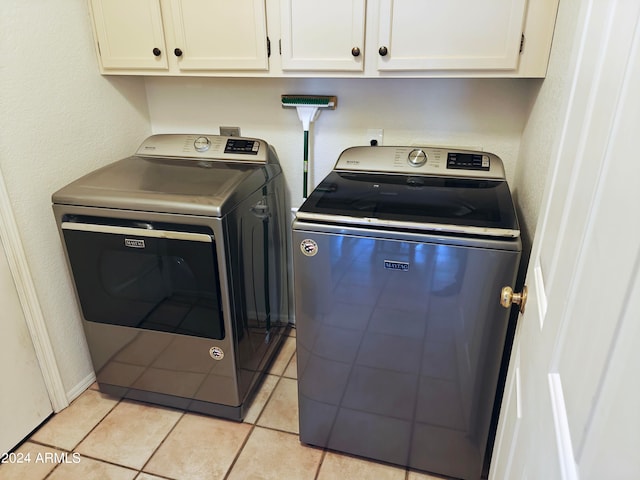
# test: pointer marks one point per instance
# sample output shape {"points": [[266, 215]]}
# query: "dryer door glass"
{"points": [[151, 276]]}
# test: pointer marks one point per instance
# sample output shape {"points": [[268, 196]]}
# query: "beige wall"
{"points": [[542, 129], [480, 113], [59, 119]]}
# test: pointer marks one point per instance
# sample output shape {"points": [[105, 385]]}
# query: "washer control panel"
{"points": [[468, 161], [205, 147], [242, 146], [421, 160]]}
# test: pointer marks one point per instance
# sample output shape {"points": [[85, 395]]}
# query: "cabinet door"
{"points": [[129, 34], [326, 35], [450, 35], [220, 34]]}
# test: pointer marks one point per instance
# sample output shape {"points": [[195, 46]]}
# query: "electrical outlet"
{"points": [[230, 131], [375, 136]]}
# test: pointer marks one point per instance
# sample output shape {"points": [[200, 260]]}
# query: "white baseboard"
{"points": [[85, 383]]}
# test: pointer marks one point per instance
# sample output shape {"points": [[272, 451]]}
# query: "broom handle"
{"points": [[305, 174]]}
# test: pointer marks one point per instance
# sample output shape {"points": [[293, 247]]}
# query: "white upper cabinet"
{"points": [[449, 35], [219, 34], [332, 38], [180, 36], [417, 38], [327, 35], [129, 34]]}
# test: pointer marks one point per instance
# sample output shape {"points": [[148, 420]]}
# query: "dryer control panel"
{"points": [[206, 147]]}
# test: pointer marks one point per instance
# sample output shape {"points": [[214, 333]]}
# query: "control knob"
{"points": [[202, 144], [417, 157]]}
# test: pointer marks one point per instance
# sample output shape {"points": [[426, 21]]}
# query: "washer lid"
{"points": [[183, 186], [451, 205]]}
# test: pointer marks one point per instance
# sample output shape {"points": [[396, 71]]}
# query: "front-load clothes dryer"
{"points": [[178, 258], [400, 255]]}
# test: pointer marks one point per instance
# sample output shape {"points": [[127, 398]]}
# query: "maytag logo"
{"points": [[134, 242], [393, 265]]}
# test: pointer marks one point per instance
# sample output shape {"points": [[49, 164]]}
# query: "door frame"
{"points": [[29, 302]]}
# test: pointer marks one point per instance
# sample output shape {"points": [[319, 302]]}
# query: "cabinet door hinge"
{"points": [[268, 48], [522, 43], [280, 46]]}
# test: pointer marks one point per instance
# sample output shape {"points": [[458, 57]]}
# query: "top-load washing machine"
{"points": [[400, 256], [178, 257]]}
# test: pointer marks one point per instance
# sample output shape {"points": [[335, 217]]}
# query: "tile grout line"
{"points": [[322, 457], [162, 443], [324, 450], [82, 439], [255, 423], [101, 460], [251, 430], [73, 450], [239, 452]]}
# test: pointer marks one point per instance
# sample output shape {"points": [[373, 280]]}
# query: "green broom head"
{"points": [[320, 101]]}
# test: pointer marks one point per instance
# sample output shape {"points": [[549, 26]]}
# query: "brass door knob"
{"points": [[508, 298]]}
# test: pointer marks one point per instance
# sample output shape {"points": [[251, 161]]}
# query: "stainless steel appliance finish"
{"points": [[178, 256], [400, 255]]}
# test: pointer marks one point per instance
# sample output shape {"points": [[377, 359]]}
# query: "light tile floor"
{"points": [[99, 437]]}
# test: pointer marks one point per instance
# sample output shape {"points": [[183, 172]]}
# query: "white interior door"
{"points": [[570, 408], [24, 402]]}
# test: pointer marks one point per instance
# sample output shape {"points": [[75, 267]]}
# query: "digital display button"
{"points": [[468, 161], [242, 146]]}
